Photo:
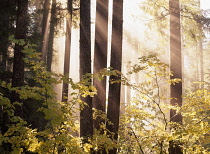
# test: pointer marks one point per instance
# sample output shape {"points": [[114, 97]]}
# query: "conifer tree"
{"points": [[113, 110], [18, 61], [67, 49], [51, 35], [21, 31], [175, 66], [45, 28], [100, 56], [86, 117]]}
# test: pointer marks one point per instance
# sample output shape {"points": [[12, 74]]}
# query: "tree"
{"points": [[67, 50], [45, 28], [18, 61], [4, 35], [113, 110], [7, 28], [100, 56], [18, 64], [200, 44], [86, 118], [51, 35], [175, 66], [7, 10], [21, 31]]}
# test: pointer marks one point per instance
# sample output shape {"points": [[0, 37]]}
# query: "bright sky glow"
{"points": [[205, 4]]}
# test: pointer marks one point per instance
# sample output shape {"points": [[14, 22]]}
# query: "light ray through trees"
{"points": [[116, 63], [86, 117], [176, 67], [100, 56], [65, 90], [45, 28]]}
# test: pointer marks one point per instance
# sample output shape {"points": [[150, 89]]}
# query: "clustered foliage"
{"points": [[156, 16], [59, 124], [144, 126]]}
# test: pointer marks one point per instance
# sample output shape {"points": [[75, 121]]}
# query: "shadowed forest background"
{"points": [[104, 76]]}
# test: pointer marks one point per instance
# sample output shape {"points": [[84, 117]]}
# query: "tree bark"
{"points": [[21, 30], [175, 66], [113, 110], [100, 57], [18, 62], [7, 19], [45, 29], [4, 34], [67, 50], [7, 14], [51, 36], [86, 117]]}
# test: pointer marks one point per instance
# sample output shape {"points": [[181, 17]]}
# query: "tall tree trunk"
{"points": [[100, 56], [21, 30], [67, 50], [18, 62], [86, 117], [113, 110], [175, 66], [7, 19], [7, 12], [45, 29], [4, 34], [201, 54], [51, 35]]}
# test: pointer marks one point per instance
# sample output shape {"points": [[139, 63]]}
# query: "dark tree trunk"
{"points": [[86, 117], [7, 19], [100, 56], [21, 30], [4, 34], [51, 35], [18, 62], [7, 14], [175, 66], [45, 29], [113, 110], [67, 50]]}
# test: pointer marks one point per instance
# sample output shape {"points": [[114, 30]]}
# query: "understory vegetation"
{"points": [[145, 126]]}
